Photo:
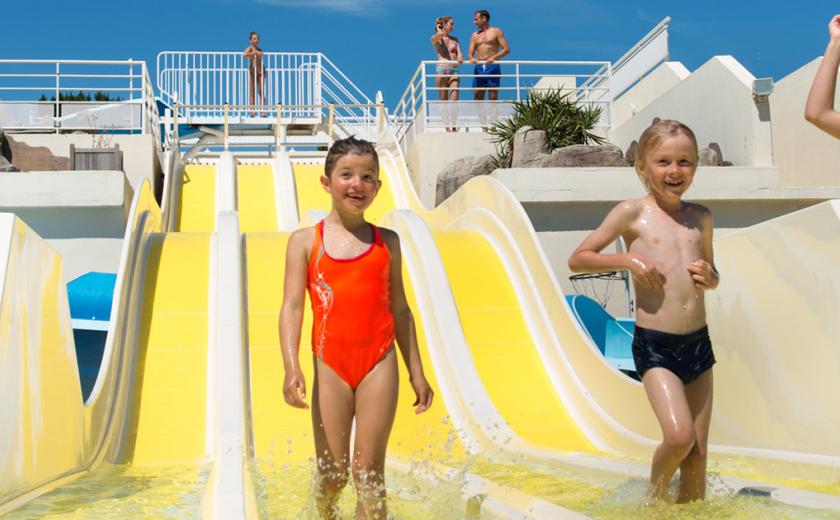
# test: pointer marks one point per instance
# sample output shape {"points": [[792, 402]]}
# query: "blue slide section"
{"points": [[90, 297], [614, 336]]}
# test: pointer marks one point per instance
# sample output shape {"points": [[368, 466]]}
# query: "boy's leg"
{"points": [[666, 394], [376, 405], [693, 468], [332, 420]]}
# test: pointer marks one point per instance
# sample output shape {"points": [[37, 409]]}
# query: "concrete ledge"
{"points": [[611, 185], [64, 189]]}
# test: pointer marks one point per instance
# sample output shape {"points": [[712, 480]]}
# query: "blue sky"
{"points": [[378, 43]]}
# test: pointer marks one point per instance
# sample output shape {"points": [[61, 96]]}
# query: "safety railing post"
{"points": [[423, 99], [518, 85], [57, 115], [176, 137], [226, 126], [278, 145], [331, 123]]}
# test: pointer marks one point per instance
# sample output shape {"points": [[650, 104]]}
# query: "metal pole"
{"points": [[131, 95], [277, 144], [175, 125], [226, 126], [518, 86], [331, 122], [56, 123]]}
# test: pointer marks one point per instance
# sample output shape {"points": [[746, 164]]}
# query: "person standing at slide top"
{"points": [[487, 46], [449, 55]]}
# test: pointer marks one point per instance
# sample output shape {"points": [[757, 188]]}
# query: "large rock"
{"points": [[6, 166], [582, 155], [35, 158], [460, 171], [529, 145], [631, 153], [709, 157]]}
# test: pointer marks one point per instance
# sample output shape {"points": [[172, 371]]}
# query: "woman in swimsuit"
{"points": [[353, 272], [446, 72]]}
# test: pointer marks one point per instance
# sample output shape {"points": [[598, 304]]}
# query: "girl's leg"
{"points": [[454, 83], [332, 420], [376, 405], [693, 468], [666, 394]]}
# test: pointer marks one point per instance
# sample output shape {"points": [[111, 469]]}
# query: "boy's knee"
{"points": [[680, 440]]}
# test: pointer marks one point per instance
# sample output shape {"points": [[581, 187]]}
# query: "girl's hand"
{"points": [[645, 272], [703, 274], [294, 388], [423, 392], [834, 28]]}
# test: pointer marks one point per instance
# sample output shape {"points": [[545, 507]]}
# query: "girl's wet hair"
{"points": [[653, 136], [349, 146]]}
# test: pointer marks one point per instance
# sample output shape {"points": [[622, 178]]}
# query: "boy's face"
{"points": [[255, 40], [669, 168], [479, 20], [353, 183]]}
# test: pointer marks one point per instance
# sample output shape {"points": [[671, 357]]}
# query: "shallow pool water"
{"points": [[120, 492]]}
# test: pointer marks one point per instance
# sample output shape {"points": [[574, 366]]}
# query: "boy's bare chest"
{"points": [[667, 239]]}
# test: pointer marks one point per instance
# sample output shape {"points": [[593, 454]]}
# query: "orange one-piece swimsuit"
{"points": [[353, 327]]}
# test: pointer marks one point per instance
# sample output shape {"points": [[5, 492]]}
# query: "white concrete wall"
{"points": [[716, 102], [140, 160], [430, 153], [81, 214], [648, 89], [805, 155]]}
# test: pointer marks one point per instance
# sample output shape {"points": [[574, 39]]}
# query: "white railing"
{"points": [[642, 58], [298, 82], [424, 105], [118, 96]]}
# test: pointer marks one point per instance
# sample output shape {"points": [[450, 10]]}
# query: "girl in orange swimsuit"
{"points": [[353, 273]]}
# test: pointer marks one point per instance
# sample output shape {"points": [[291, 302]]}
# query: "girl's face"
{"points": [[669, 168], [353, 183], [255, 40], [449, 26]]}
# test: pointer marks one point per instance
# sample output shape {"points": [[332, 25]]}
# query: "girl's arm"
{"points": [[588, 257], [703, 271], [404, 326], [460, 57], [819, 109], [291, 316]]}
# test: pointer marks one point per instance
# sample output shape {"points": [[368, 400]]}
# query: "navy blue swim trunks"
{"points": [[487, 76], [686, 355]]}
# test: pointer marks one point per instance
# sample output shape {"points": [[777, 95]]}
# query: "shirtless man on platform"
{"points": [[487, 45]]}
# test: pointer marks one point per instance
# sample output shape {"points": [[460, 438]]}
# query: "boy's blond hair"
{"points": [[653, 135]]}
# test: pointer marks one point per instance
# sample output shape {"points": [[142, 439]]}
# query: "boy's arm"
{"points": [[504, 48], [588, 258], [819, 109], [703, 271], [404, 326], [291, 317], [248, 52]]}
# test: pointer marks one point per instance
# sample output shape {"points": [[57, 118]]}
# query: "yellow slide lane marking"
{"points": [[197, 207], [169, 422], [505, 356], [255, 194]]}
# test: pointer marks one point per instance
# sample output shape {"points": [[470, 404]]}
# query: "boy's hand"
{"points": [[703, 274], [294, 388], [423, 392], [834, 27], [645, 272]]}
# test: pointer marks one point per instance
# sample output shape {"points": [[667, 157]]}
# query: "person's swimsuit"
{"points": [[448, 53], [353, 327], [686, 355]]}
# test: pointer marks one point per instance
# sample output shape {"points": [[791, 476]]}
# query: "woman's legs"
{"points": [[454, 83], [667, 396], [332, 418], [376, 406], [442, 83]]}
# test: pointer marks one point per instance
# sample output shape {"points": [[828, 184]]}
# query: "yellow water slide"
{"points": [[136, 447]]}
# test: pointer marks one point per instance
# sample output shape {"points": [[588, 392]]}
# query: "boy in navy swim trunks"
{"points": [[487, 45], [670, 256]]}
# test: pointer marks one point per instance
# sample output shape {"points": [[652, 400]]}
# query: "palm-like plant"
{"points": [[564, 121]]}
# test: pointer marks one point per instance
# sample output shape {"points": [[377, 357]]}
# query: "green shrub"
{"points": [[564, 121]]}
